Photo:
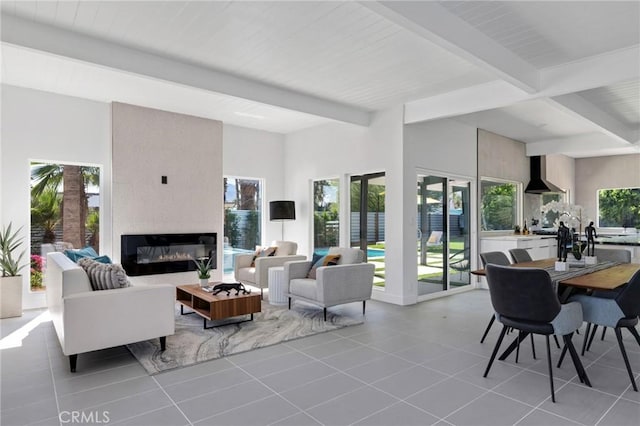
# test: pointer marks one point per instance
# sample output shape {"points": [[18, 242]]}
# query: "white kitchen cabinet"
{"points": [[538, 246]]}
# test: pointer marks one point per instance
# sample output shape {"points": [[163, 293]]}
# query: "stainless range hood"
{"points": [[538, 183]]}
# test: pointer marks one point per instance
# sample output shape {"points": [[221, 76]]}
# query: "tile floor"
{"points": [[414, 365]]}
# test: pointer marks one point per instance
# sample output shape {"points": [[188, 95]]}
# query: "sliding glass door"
{"points": [[367, 193], [443, 247]]}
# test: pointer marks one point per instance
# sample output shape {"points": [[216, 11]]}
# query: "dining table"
{"points": [[601, 276]]}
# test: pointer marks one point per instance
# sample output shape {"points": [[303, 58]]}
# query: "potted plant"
{"points": [[203, 267], [11, 281]]}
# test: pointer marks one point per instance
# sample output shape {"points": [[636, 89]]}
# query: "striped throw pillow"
{"points": [[104, 276]]}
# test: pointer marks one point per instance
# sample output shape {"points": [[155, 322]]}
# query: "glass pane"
{"points": [[326, 207], [459, 238], [499, 205], [242, 218], [619, 208], [65, 212], [432, 236]]}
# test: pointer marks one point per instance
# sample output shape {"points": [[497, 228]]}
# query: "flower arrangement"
{"points": [[570, 214], [203, 267]]}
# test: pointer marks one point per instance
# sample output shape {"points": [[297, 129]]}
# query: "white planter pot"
{"points": [[204, 282], [590, 260], [10, 297]]}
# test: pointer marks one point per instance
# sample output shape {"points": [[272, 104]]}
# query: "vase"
{"points": [[204, 282]]}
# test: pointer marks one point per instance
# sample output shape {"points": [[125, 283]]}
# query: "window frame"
{"points": [[519, 202], [597, 219]]}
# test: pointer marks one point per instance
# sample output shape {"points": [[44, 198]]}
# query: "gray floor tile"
{"points": [[214, 403], [489, 410], [331, 348], [397, 343], [101, 395], [607, 379], [379, 368], [300, 419], [353, 357], [540, 417], [132, 406], [102, 378], [499, 373], [423, 352], [317, 339], [14, 399], [259, 354], [445, 397], [307, 379], [297, 376], [192, 372], [410, 381], [621, 413], [454, 362], [263, 412], [269, 366], [351, 407], [321, 390], [398, 414], [528, 387], [31, 413], [579, 403], [168, 416], [207, 384]]}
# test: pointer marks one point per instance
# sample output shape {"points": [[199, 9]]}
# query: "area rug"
{"points": [[191, 344]]}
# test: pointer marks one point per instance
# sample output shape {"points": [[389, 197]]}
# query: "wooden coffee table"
{"points": [[216, 307]]}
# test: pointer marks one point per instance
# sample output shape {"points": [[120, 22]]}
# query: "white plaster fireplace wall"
{"points": [[149, 144]]}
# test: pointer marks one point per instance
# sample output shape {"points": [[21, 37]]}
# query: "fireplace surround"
{"points": [[148, 254]]}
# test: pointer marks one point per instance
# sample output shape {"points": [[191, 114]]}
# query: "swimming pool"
{"points": [[371, 252]]}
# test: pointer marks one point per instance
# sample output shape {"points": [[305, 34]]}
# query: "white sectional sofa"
{"points": [[87, 320]]}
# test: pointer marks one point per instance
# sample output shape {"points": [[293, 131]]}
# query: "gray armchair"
{"points": [[258, 275], [349, 281]]}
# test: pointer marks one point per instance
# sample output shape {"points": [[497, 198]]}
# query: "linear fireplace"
{"points": [[149, 254]]}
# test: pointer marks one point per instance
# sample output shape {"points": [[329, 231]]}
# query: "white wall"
{"points": [[444, 147], [43, 126], [38, 125], [149, 144], [338, 150], [250, 153]]}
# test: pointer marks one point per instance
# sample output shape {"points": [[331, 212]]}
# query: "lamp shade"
{"points": [[282, 210]]}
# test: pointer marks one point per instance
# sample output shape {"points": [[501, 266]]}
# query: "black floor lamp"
{"points": [[281, 211]]}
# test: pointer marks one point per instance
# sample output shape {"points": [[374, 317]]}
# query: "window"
{"points": [[499, 204], [326, 208], [242, 218], [619, 207], [65, 212]]}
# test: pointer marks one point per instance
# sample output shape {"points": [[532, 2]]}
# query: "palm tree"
{"points": [[74, 180], [45, 213]]}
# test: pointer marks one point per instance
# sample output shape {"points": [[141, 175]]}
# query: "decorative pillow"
{"points": [[328, 260], [263, 252], [87, 252], [104, 276], [78, 254]]}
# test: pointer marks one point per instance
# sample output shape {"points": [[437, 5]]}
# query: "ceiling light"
{"points": [[249, 115]]}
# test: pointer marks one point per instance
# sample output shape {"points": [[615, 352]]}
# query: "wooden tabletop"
{"points": [[197, 290], [605, 279]]}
